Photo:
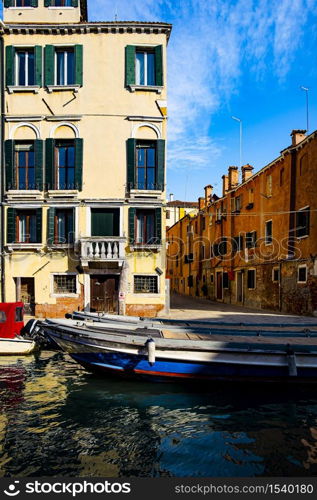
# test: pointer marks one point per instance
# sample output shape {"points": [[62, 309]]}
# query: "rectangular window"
{"points": [[251, 279], [303, 222], [105, 222], [237, 243], [65, 284], [251, 195], [145, 284], [225, 280], [26, 226], [145, 67], [145, 227], [23, 3], [61, 3], [302, 274], [268, 232], [64, 226], [218, 215], [275, 275], [237, 204], [146, 165], [250, 239], [25, 165], [25, 67], [269, 185], [64, 66], [65, 164]]}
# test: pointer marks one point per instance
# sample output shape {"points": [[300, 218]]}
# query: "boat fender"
{"points": [[291, 362], [151, 351]]}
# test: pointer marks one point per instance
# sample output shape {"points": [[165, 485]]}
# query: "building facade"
{"points": [[256, 245], [84, 160], [177, 209]]}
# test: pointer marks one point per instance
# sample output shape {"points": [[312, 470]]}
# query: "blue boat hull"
{"points": [[128, 366]]}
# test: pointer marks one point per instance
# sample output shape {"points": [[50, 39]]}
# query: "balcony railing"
{"points": [[102, 249]]}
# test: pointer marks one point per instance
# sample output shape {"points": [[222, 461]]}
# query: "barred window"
{"points": [[64, 283], [145, 284]]}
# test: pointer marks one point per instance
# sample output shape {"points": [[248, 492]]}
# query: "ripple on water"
{"points": [[57, 419]]}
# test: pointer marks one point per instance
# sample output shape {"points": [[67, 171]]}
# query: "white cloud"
{"points": [[213, 44]]}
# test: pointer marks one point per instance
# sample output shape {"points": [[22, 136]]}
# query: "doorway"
{"points": [[239, 286], [25, 292], [104, 291], [219, 289]]}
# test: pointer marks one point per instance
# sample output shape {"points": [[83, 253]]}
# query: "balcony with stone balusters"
{"points": [[104, 249]]}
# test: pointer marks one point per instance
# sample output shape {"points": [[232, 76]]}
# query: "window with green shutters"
{"points": [[64, 164], [61, 3], [60, 226], [23, 66], [105, 222], [145, 226], [24, 226], [146, 164], [20, 3], [24, 165], [144, 66], [63, 66]]}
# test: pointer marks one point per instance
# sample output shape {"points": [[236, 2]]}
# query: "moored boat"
{"points": [[160, 354], [11, 326]]}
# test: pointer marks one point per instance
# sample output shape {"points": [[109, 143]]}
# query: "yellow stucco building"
{"points": [[84, 160]]}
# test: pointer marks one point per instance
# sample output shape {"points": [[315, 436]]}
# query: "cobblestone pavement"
{"points": [[184, 307]]}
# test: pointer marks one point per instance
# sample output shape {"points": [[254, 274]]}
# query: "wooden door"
{"points": [[27, 295], [104, 293], [239, 287], [219, 286]]}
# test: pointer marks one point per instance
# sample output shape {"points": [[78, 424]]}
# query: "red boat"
{"points": [[11, 325]]}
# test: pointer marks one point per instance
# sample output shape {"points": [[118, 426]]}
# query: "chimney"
{"points": [[246, 172], [201, 203], [225, 185], [233, 177], [298, 136], [208, 193], [171, 197]]}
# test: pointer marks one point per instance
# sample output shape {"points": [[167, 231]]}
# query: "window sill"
{"points": [[61, 246], [61, 193], [147, 192], [24, 246], [302, 237], [21, 8], [62, 7], [144, 246], [33, 194], [70, 295], [145, 294], [58, 88], [20, 88], [147, 88]]}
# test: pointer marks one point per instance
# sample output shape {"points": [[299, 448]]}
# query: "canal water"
{"points": [[58, 420]]}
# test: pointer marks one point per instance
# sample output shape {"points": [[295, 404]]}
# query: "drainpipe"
{"points": [[280, 288], [3, 296]]}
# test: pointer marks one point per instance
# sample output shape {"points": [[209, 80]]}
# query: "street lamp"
{"points": [[240, 122], [306, 90]]}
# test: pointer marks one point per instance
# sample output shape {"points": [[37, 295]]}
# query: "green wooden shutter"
{"points": [[11, 225], [49, 55], [8, 3], [159, 65], [74, 3], [78, 65], [9, 147], [50, 163], [161, 164], [132, 214], [47, 3], [130, 65], [131, 166], [38, 225], [79, 150], [158, 225], [38, 156], [38, 65], [10, 73], [51, 226], [34, 3]]}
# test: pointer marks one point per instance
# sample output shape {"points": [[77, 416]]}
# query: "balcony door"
{"points": [[104, 293], [105, 222]]}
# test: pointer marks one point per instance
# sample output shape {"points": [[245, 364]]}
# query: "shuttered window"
{"points": [[20, 3], [105, 222], [144, 66], [24, 226], [146, 164], [60, 226], [145, 226], [24, 66], [303, 222], [24, 165], [63, 66], [64, 163], [61, 3]]}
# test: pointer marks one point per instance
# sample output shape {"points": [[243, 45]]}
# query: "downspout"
{"points": [[2, 221]]}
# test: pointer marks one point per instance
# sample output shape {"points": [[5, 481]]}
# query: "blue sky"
{"points": [[246, 58]]}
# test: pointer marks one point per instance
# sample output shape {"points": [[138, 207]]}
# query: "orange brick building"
{"points": [[256, 245]]}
